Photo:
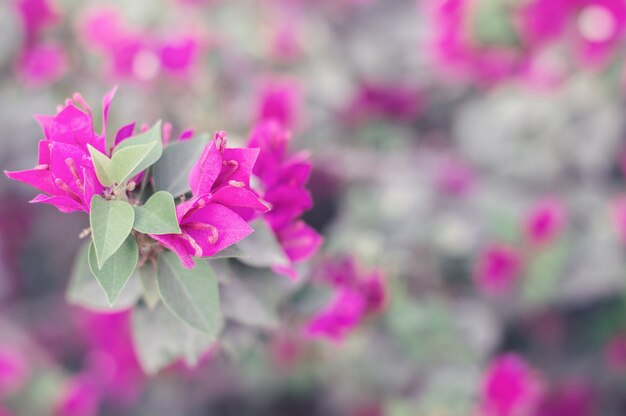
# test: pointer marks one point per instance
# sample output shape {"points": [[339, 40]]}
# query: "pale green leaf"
{"points": [[160, 338], [171, 173], [111, 222], [129, 161], [152, 136], [102, 165], [116, 271], [262, 247], [85, 291], [240, 304], [147, 274], [192, 294], [157, 215]]}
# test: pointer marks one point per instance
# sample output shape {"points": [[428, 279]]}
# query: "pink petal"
{"points": [[299, 241], [228, 228], [106, 104], [243, 161], [238, 197], [124, 133], [204, 173], [73, 126], [63, 203], [38, 178], [175, 243]]}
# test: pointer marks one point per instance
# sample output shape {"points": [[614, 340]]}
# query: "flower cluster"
{"points": [[40, 61], [356, 295], [500, 265], [138, 54], [494, 40]]}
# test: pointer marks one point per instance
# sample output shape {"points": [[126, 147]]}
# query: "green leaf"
{"points": [[85, 291], [262, 247], [111, 222], [151, 296], [129, 161], [157, 215], [544, 272], [152, 136], [233, 251], [242, 305], [172, 171], [116, 271], [192, 295], [103, 166], [491, 23], [160, 338]]}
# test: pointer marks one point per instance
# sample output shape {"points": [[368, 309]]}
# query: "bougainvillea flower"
{"points": [[41, 64], [618, 216], [594, 28], [210, 221], [36, 15], [509, 388], [457, 51], [357, 294], [574, 397], [65, 173], [14, 370], [615, 353], [384, 100], [78, 396], [280, 99], [497, 269], [544, 221], [139, 54], [283, 180]]}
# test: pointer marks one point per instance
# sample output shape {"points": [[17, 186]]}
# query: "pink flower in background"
{"points": [[497, 269], [454, 176], [595, 28], [615, 353], [14, 370], [280, 99], [385, 100], [138, 54], [283, 180], [212, 219], [509, 388], [111, 364], [41, 64], [36, 15], [544, 222], [78, 397], [65, 173], [456, 51], [570, 398], [617, 211], [357, 294]]}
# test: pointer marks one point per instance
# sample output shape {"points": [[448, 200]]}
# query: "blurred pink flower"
{"points": [[617, 211], [280, 99], [14, 370], [497, 269], [570, 398], [509, 388], [283, 180], [594, 28], [139, 54], [544, 221], [36, 15], [454, 175], [385, 100], [41, 64], [615, 353], [78, 397], [211, 220], [357, 294]]}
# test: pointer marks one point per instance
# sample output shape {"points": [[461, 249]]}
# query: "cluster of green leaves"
{"points": [[176, 311]]}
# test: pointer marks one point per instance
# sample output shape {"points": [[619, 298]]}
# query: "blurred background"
{"points": [[469, 156]]}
